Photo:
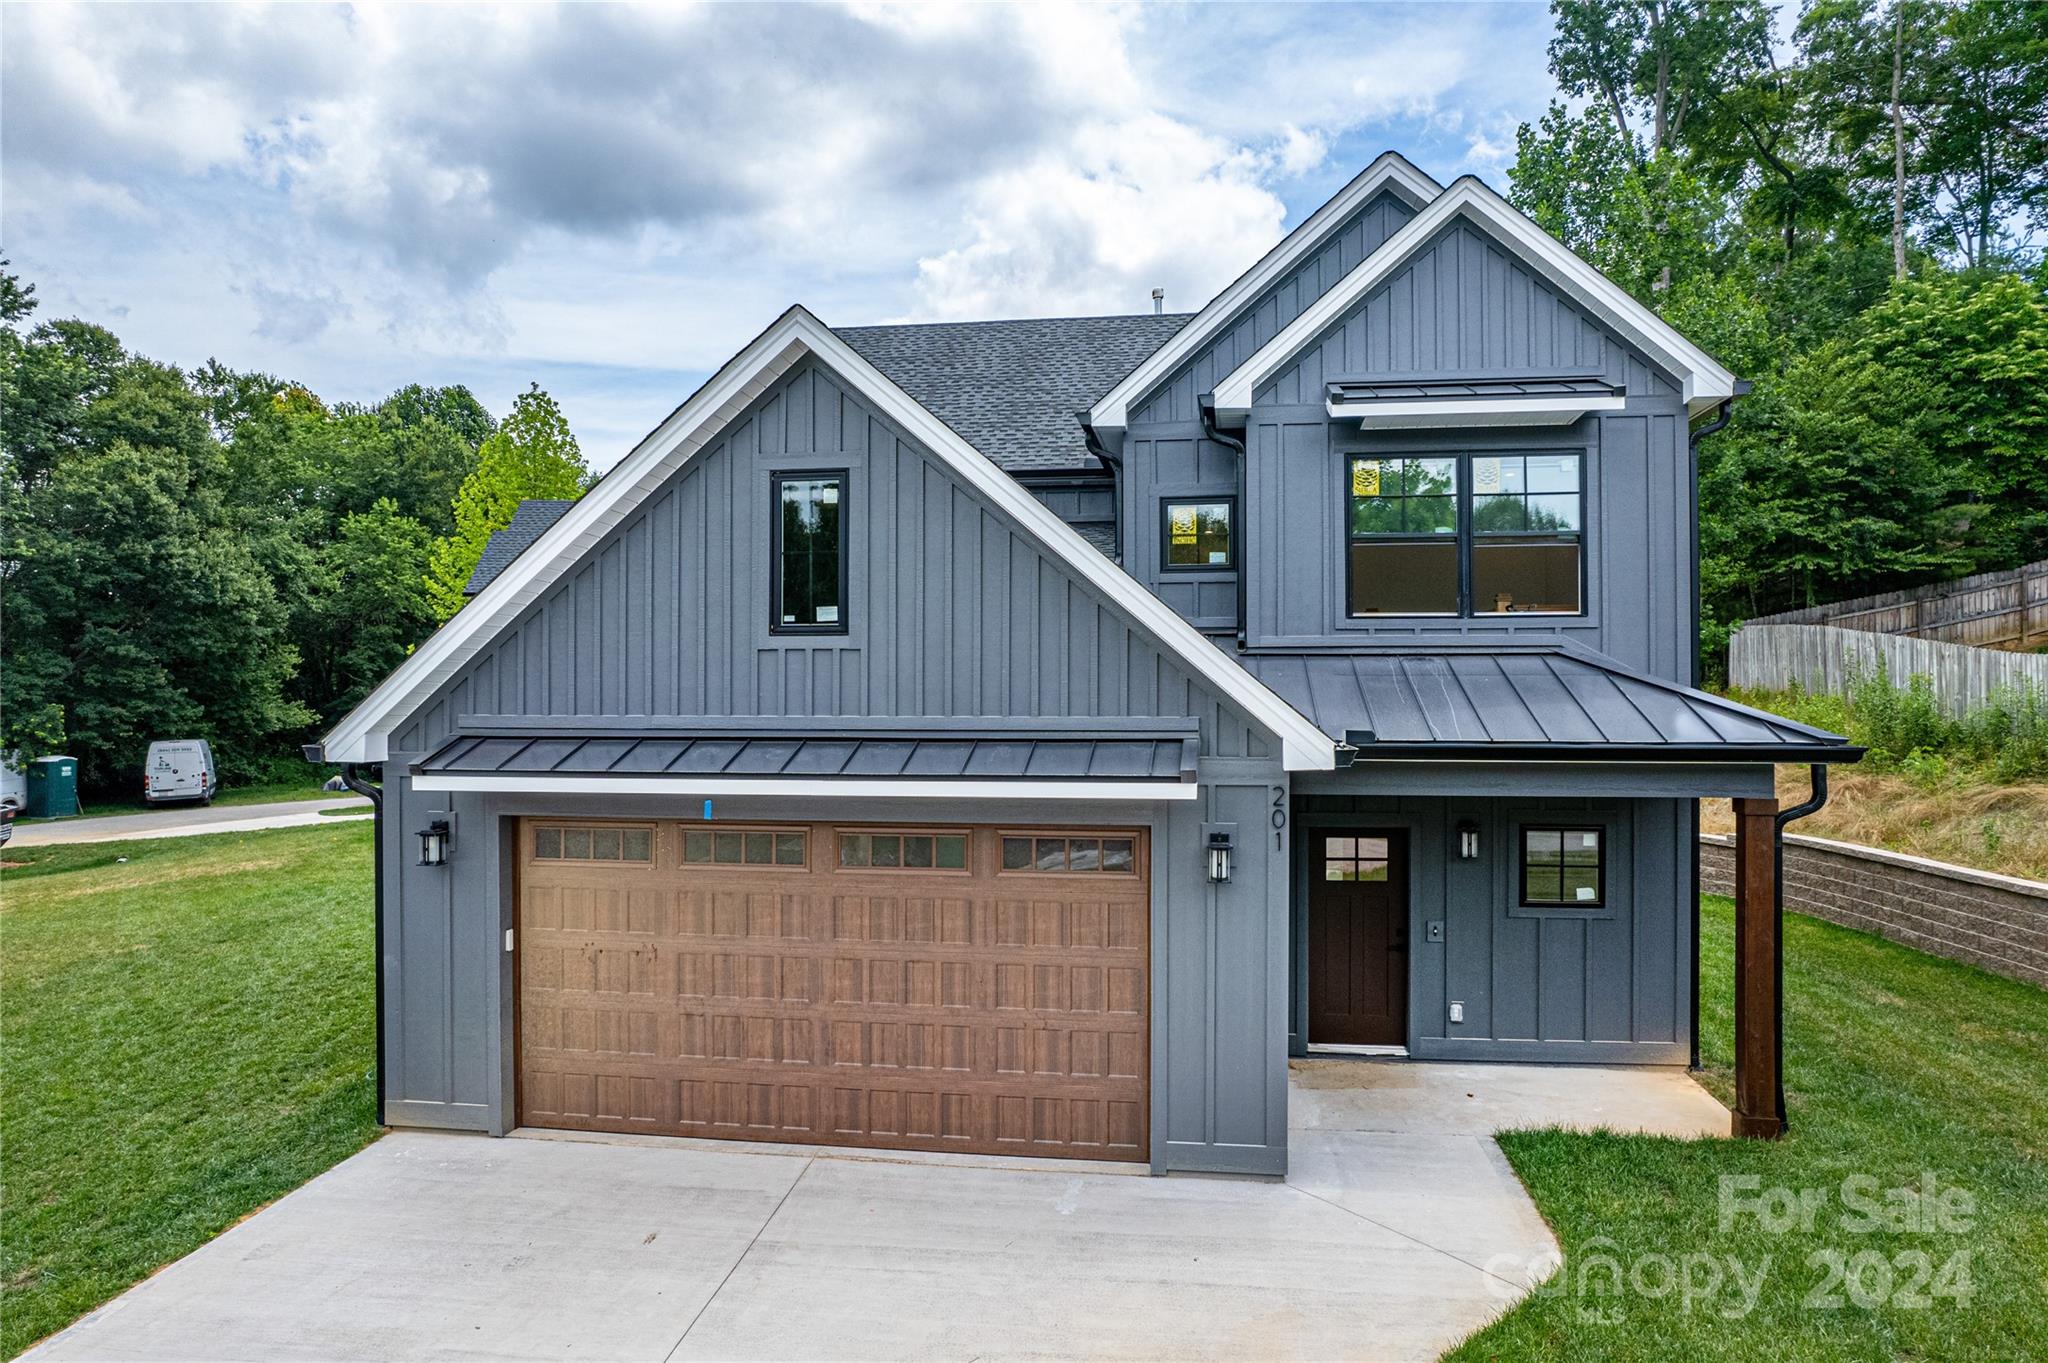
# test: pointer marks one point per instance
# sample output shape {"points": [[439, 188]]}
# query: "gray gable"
{"points": [[529, 523], [1011, 389]]}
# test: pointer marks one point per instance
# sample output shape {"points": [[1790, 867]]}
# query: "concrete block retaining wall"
{"points": [[1999, 923]]}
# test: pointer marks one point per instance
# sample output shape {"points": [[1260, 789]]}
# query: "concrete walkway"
{"points": [[185, 821], [1381, 1244]]}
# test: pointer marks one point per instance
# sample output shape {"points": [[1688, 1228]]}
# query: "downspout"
{"points": [[1817, 774], [1206, 403], [1115, 462], [352, 777], [1692, 672]]}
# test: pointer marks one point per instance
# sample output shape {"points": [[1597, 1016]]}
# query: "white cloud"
{"points": [[356, 196]]}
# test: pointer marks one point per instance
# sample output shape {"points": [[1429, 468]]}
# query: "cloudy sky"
{"points": [[610, 201]]}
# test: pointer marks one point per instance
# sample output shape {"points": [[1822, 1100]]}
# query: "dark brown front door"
{"points": [[1358, 939]]}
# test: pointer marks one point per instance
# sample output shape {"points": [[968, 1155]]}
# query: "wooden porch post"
{"points": [[1759, 1091]]}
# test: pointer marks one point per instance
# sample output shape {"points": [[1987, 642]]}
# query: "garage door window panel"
{"points": [[766, 849], [621, 844], [883, 849], [1069, 854]]}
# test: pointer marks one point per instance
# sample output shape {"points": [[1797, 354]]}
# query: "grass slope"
{"points": [[1898, 1065], [185, 1035]]}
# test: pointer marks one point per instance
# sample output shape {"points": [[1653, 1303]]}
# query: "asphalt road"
{"points": [[185, 821]]}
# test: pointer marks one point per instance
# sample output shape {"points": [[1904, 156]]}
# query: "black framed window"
{"points": [[1526, 514], [1197, 534], [1403, 552], [1563, 867], [809, 579], [1492, 534]]}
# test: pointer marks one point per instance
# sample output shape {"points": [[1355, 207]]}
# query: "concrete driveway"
{"points": [[1382, 1244], [186, 821]]}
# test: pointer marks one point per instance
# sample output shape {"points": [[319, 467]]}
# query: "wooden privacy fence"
{"points": [[1826, 659], [2007, 609]]}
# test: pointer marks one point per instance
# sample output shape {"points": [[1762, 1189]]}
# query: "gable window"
{"points": [[1563, 867], [1466, 535], [809, 578], [1197, 534]]}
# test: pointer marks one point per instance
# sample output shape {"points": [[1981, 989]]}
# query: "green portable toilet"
{"points": [[52, 787]]}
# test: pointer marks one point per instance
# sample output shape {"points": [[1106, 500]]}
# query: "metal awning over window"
{"points": [[1022, 765], [1392, 405], [1532, 703]]}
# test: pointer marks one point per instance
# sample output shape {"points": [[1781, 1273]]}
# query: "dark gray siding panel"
{"points": [[954, 610], [1349, 244], [1463, 307], [1611, 985], [1466, 308]]}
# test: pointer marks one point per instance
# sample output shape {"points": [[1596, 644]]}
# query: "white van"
{"points": [[180, 769]]}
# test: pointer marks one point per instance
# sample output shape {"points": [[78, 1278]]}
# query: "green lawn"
{"points": [[1899, 1066], [184, 1035]]}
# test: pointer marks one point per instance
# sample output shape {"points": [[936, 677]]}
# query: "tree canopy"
{"points": [[220, 554]]}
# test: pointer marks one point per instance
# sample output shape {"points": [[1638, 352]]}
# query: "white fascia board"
{"points": [[1389, 170], [506, 783], [1704, 381], [1428, 415], [699, 422]]}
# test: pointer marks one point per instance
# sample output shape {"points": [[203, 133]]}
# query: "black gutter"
{"points": [[1818, 775], [1692, 669], [1369, 748], [1115, 463], [352, 777], [1206, 404]]}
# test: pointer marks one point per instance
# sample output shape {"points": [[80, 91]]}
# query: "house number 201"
{"points": [[1279, 818]]}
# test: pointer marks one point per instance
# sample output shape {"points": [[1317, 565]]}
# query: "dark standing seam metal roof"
{"points": [[1410, 390], [894, 756], [1526, 703], [1011, 389], [529, 523]]}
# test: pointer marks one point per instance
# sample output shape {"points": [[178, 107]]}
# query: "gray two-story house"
{"points": [[1023, 736]]}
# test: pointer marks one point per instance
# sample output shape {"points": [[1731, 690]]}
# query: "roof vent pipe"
{"points": [[1158, 302]]}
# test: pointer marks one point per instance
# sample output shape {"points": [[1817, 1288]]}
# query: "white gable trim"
{"points": [[364, 734], [1389, 170], [1704, 382]]}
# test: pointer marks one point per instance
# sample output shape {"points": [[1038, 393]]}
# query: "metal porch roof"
{"points": [[1530, 703], [938, 756]]}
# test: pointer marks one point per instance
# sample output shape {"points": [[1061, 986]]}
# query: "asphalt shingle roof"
{"points": [[529, 523], [1011, 389]]}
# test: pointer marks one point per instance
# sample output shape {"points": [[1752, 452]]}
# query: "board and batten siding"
{"points": [[954, 610], [956, 613], [1465, 308], [1562, 984], [1165, 452]]}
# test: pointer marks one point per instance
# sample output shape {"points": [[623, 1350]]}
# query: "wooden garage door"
{"points": [[937, 988]]}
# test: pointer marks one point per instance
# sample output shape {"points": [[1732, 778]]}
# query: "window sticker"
{"points": [[1486, 475], [1365, 478]]}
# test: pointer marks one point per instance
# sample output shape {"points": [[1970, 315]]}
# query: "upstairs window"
{"points": [[1198, 534], [809, 586], [1465, 535]]}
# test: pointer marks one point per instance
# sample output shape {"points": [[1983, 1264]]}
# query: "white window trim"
{"points": [[364, 734], [1704, 382], [506, 783], [1389, 170]]}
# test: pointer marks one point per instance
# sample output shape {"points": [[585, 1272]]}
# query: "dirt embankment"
{"points": [[2000, 828]]}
